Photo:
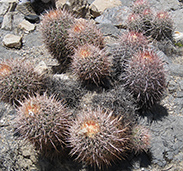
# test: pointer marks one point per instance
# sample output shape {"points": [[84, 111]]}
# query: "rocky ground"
{"points": [[165, 121]]}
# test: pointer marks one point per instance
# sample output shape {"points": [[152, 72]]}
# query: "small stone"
{"points": [[60, 3], [26, 152], [178, 36], [26, 26], [7, 23], [41, 68], [12, 41], [102, 5]]}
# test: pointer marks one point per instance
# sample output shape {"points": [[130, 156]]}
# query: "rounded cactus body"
{"points": [[129, 43], [97, 138], [84, 32], [43, 120], [135, 22], [90, 64], [162, 26], [54, 33], [140, 5], [145, 78], [141, 22], [118, 100], [18, 80]]}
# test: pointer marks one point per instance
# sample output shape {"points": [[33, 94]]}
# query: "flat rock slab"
{"points": [[116, 16], [166, 135]]}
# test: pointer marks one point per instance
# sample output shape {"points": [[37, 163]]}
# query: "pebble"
{"points": [[12, 41], [26, 26]]}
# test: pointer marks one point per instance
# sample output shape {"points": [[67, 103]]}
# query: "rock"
{"points": [[3, 8], [90, 1], [7, 5], [12, 41], [166, 137], [94, 11], [181, 84], [110, 32], [178, 19], [178, 38], [179, 94], [116, 16], [166, 5], [42, 68], [102, 5], [7, 23], [126, 3], [80, 8], [60, 3], [26, 26], [176, 69]]}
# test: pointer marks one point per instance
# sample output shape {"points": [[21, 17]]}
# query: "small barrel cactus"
{"points": [[90, 64], [129, 43], [162, 26], [134, 22], [42, 120], [118, 100], [18, 80], [140, 138], [141, 22], [84, 31], [145, 78], [97, 138], [140, 5], [54, 33]]}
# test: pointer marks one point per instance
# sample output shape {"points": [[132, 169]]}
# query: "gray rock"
{"points": [[166, 5], [101, 5], [176, 69], [166, 138], [110, 30], [178, 19], [7, 23], [26, 26], [179, 94], [12, 41], [3, 8], [181, 84], [126, 3], [116, 16]]}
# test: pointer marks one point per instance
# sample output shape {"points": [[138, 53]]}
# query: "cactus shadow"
{"points": [[155, 113]]}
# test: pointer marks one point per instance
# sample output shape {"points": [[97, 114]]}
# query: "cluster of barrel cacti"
{"points": [[105, 128], [151, 22]]}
